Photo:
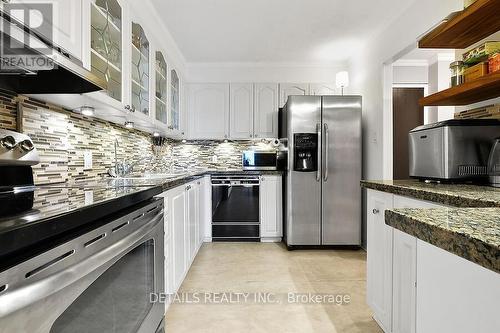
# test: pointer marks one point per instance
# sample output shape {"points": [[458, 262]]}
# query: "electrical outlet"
{"points": [[214, 159], [87, 160], [89, 197]]}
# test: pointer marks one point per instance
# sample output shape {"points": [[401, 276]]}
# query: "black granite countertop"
{"points": [[471, 233], [61, 208], [457, 195]]}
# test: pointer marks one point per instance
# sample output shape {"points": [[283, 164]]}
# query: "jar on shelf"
{"points": [[457, 73]]}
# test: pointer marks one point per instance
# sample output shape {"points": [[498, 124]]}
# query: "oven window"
{"points": [[118, 301], [235, 204]]}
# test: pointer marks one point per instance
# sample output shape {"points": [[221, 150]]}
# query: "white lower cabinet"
{"points": [[404, 280], [192, 191], [205, 210], [416, 287], [270, 199], [184, 220], [455, 295], [379, 258], [177, 203], [404, 271]]}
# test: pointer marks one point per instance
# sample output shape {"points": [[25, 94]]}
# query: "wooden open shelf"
{"points": [[478, 90], [476, 22]]}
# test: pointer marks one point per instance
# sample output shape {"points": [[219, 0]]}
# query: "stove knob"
{"points": [[8, 142], [26, 145]]}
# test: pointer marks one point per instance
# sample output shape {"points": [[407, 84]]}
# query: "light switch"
{"points": [[87, 160]]}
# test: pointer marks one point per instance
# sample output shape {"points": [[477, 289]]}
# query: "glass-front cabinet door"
{"points": [[161, 83], [106, 44], [140, 70], [174, 101]]}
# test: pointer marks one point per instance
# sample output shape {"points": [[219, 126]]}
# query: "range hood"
{"points": [[68, 76]]}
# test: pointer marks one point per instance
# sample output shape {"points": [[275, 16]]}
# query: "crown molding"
{"points": [[342, 64]]}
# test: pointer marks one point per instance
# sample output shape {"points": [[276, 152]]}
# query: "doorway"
{"points": [[407, 114]]}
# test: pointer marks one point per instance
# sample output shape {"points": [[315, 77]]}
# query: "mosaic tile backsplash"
{"points": [[61, 138]]}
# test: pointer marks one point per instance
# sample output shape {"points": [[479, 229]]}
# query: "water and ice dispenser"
{"points": [[305, 152]]}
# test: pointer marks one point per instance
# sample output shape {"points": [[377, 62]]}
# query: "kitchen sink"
{"points": [[147, 176]]}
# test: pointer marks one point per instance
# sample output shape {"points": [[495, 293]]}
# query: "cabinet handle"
{"points": [[375, 211]]}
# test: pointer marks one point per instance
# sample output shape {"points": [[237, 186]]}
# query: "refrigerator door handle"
{"points": [[326, 147], [318, 172]]}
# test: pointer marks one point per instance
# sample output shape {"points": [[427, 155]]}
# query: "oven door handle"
{"points": [[29, 293], [237, 185]]}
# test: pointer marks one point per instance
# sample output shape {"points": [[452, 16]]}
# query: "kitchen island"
{"points": [[433, 256]]}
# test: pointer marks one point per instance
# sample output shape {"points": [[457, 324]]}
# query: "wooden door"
{"points": [[407, 114]]}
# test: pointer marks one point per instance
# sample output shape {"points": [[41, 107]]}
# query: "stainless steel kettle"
{"points": [[494, 164]]}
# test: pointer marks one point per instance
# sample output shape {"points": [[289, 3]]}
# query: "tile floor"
{"points": [[270, 272]]}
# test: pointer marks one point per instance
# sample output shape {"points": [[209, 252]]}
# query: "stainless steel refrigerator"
{"points": [[322, 190]]}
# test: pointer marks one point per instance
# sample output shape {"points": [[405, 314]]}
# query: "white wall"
{"points": [[253, 72], [410, 74], [439, 79], [372, 73], [155, 27], [367, 71]]}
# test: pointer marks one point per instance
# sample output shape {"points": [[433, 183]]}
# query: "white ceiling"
{"points": [[275, 31]]}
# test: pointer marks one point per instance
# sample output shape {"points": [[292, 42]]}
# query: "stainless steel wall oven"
{"points": [[235, 208], [100, 281]]}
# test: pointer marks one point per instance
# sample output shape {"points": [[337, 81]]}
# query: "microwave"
{"points": [[263, 160]]}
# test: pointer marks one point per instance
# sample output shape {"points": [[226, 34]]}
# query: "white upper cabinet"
{"points": [[161, 84], [292, 89], [174, 118], [140, 70], [106, 48], [208, 106], [66, 22], [322, 89], [266, 110], [241, 111]]}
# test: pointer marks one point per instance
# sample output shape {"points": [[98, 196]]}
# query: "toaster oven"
{"points": [[452, 150]]}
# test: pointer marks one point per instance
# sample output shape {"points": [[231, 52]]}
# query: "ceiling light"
{"points": [[129, 124], [156, 134]]}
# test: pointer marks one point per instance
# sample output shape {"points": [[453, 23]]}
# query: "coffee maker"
{"points": [[305, 152]]}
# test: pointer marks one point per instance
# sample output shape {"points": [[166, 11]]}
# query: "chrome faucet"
{"points": [[118, 169], [121, 168]]}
